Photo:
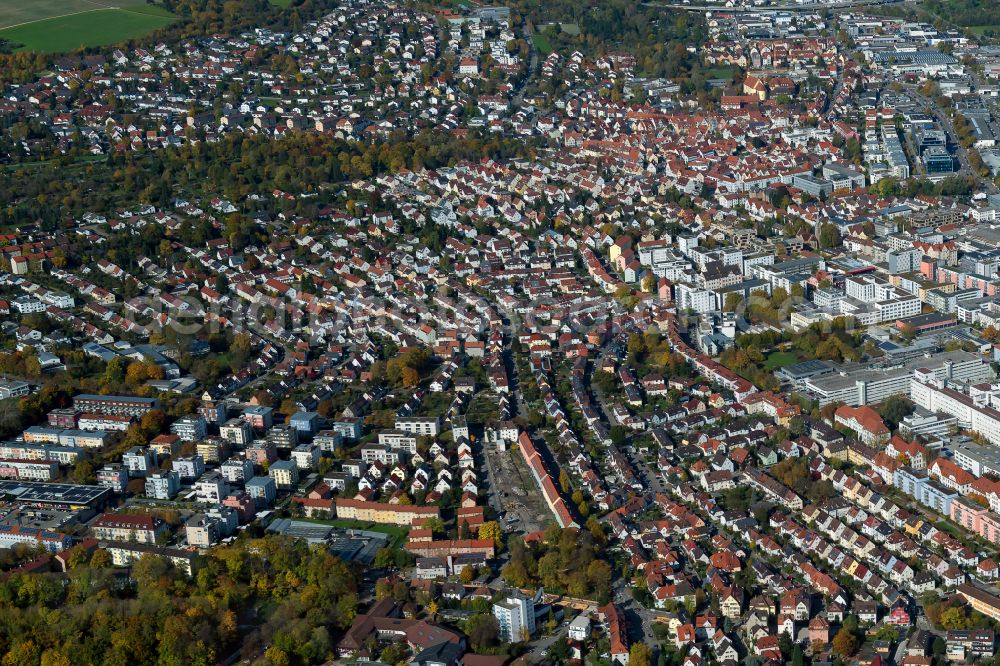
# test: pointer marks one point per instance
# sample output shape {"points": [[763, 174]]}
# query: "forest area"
{"points": [[272, 592], [659, 39], [966, 13], [237, 165], [564, 562]]}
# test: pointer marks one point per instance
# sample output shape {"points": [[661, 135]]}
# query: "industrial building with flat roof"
{"points": [[54, 494], [865, 384]]}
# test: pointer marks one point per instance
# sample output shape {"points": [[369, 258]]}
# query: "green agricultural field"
{"points": [[53, 26], [15, 13]]}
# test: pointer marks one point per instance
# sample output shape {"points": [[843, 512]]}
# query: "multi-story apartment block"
{"points": [[419, 425], [114, 404]]}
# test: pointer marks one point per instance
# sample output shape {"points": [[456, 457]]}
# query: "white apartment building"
{"points": [[237, 432], [211, 489], [420, 425], [236, 470], [305, 456], [164, 485], [399, 440], [693, 298], [516, 617]]}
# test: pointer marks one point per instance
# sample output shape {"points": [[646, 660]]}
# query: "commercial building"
{"points": [[973, 413], [56, 495], [860, 384], [925, 422], [979, 460], [842, 177]]}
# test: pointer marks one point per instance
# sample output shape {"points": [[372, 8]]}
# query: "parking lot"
{"points": [[519, 496]]}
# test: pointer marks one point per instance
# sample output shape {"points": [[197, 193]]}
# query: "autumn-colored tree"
{"points": [[954, 617], [564, 482], [845, 643], [24, 652], [55, 657], [276, 656], [490, 530], [101, 559], [139, 372], [639, 655], [409, 377]]}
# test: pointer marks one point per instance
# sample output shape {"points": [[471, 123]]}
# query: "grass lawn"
{"points": [[92, 27], [719, 73], [281, 3], [981, 29], [779, 359], [541, 43], [955, 531]]}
